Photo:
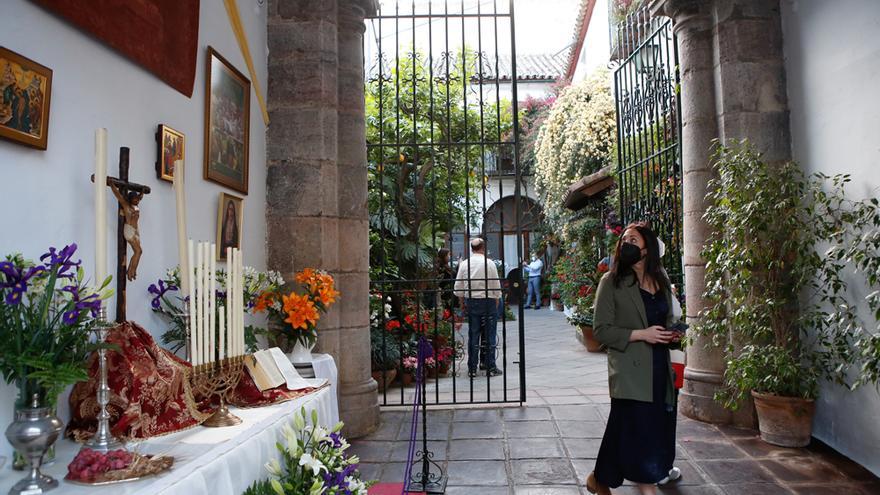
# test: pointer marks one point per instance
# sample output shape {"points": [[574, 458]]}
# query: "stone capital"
{"points": [[352, 13], [689, 15]]}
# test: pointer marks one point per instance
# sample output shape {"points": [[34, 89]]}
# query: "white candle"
{"points": [[234, 296], [212, 301], [230, 325], [203, 301], [240, 304], [222, 330], [198, 302], [100, 206], [179, 193], [193, 335]]}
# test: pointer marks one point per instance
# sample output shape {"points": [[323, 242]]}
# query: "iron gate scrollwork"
{"points": [[646, 88], [439, 116]]}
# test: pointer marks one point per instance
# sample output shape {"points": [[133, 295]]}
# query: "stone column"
{"points": [[693, 28], [360, 409], [310, 174]]}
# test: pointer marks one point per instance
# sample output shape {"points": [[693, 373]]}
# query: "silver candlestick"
{"points": [[103, 440]]}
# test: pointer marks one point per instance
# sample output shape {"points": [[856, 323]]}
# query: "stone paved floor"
{"points": [[548, 446]]}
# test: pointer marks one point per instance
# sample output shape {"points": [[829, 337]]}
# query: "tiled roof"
{"points": [[543, 67], [585, 13]]}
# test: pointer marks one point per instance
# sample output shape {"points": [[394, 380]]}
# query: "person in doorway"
{"points": [[533, 270], [478, 287], [631, 317]]}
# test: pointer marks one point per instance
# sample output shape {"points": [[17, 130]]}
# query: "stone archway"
{"points": [[500, 231]]}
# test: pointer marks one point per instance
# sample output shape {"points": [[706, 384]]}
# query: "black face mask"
{"points": [[630, 254]]}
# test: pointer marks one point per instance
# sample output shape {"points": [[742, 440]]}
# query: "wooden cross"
{"points": [[129, 195]]}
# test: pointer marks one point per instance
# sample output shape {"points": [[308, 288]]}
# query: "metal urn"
{"points": [[34, 430]]}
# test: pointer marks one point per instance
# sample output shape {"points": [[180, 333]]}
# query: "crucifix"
{"points": [[129, 196]]}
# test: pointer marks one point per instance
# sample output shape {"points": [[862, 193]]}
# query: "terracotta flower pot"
{"points": [[432, 373], [784, 421], [390, 375], [406, 378], [443, 368], [589, 341]]}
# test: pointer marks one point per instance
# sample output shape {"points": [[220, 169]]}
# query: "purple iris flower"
{"points": [[62, 259], [17, 280], [159, 291], [91, 303], [337, 479]]}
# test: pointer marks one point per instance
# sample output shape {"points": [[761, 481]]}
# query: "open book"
{"points": [[270, 368]]}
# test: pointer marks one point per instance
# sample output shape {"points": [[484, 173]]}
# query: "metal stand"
{"points": [[431, 478], [219, 378], [103, 440]]}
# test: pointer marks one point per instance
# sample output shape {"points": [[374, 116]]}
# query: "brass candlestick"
{"points": [[218, 378], [103, 440]]}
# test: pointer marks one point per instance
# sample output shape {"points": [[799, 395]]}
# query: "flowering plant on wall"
{"points": [[313, 462], [294, 316], [46, 314], [576, 140], [167, 301]]}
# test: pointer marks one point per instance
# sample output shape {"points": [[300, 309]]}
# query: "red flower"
{"points": [[408, 319], [392, 325], [447, 314], [603, 267]]}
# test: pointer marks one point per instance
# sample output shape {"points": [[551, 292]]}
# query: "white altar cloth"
{"points": [[215, 461]]}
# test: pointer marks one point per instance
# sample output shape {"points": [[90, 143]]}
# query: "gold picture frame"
{"points": [[172, 147], [227, 123], [230, 218], [25, 94]]}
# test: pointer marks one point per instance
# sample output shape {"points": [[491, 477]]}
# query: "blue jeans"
{"points": [[482, 322], [534, 290]]}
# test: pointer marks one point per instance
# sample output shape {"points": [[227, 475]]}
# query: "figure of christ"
{"points": [[132, 214]]}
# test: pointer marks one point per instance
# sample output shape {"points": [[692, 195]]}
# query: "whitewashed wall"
{"points": [[46, 196], [833, 68]]}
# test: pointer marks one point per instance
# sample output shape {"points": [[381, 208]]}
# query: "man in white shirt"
{"points": [[533, 270], [479, 288]]}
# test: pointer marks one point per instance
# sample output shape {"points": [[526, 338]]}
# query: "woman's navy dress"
{"points": [[639, 441]]}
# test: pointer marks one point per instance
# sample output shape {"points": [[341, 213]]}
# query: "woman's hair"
{"points": [[442, 256], [653, 265]]}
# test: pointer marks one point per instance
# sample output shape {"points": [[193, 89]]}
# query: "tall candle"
{"points": [[204, 302], [197, 302], [240, 315], [193, 336], [180, 196], [222, 332], [234, 266], [100, 206], [212, 301], [229, 323]]}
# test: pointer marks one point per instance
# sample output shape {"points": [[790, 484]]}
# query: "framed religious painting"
{"points": [[172, 148], [229, 224], [25, 91], [227, 123]]}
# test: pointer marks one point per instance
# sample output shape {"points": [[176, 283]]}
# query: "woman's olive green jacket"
{"points": [[617, 312]]}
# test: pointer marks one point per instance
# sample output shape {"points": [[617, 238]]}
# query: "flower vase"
{"points": [[29, 390], [302, 352], [31, 434]]}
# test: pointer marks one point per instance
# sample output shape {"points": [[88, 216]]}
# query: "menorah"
{"points": [[216, 334]]}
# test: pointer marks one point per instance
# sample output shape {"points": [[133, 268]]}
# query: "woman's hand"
{"points": [[654, 334]]}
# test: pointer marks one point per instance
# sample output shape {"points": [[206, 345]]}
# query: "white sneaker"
{"points": [[674, 475]]}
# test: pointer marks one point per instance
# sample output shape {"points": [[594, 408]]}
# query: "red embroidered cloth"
{"points": [[149, 393]]}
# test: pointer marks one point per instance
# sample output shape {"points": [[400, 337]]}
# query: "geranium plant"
{"points": [[313, 462], [46, 315]]}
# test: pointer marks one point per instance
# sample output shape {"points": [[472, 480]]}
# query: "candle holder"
{"points": [[218, 378], [103, 440]]}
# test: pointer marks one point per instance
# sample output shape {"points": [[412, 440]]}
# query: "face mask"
{"points": [[630, 254]]}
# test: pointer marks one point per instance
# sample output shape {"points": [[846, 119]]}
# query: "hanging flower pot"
{"points": [[784, 421]]}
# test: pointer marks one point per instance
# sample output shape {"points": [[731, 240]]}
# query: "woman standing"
{"points": [[631, 315]]}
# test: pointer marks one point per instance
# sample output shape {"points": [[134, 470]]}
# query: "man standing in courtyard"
{"points": [[533, 270], [478, 287]]}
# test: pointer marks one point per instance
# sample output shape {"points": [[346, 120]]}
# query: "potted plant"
{"points": [[767, 224], [408, 369], [384, 353], [582, 318], [46, 315]]}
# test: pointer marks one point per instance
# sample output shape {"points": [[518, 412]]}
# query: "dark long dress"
{"points": [[639, 441]]}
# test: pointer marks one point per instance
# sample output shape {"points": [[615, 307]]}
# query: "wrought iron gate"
{"points": [[441, 103], [646, 88]]}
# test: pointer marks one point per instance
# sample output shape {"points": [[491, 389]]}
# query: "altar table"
{"points": [[215, 461]]}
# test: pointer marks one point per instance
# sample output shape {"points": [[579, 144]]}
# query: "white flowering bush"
{"points": [[576, 140], [313, 462]]}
